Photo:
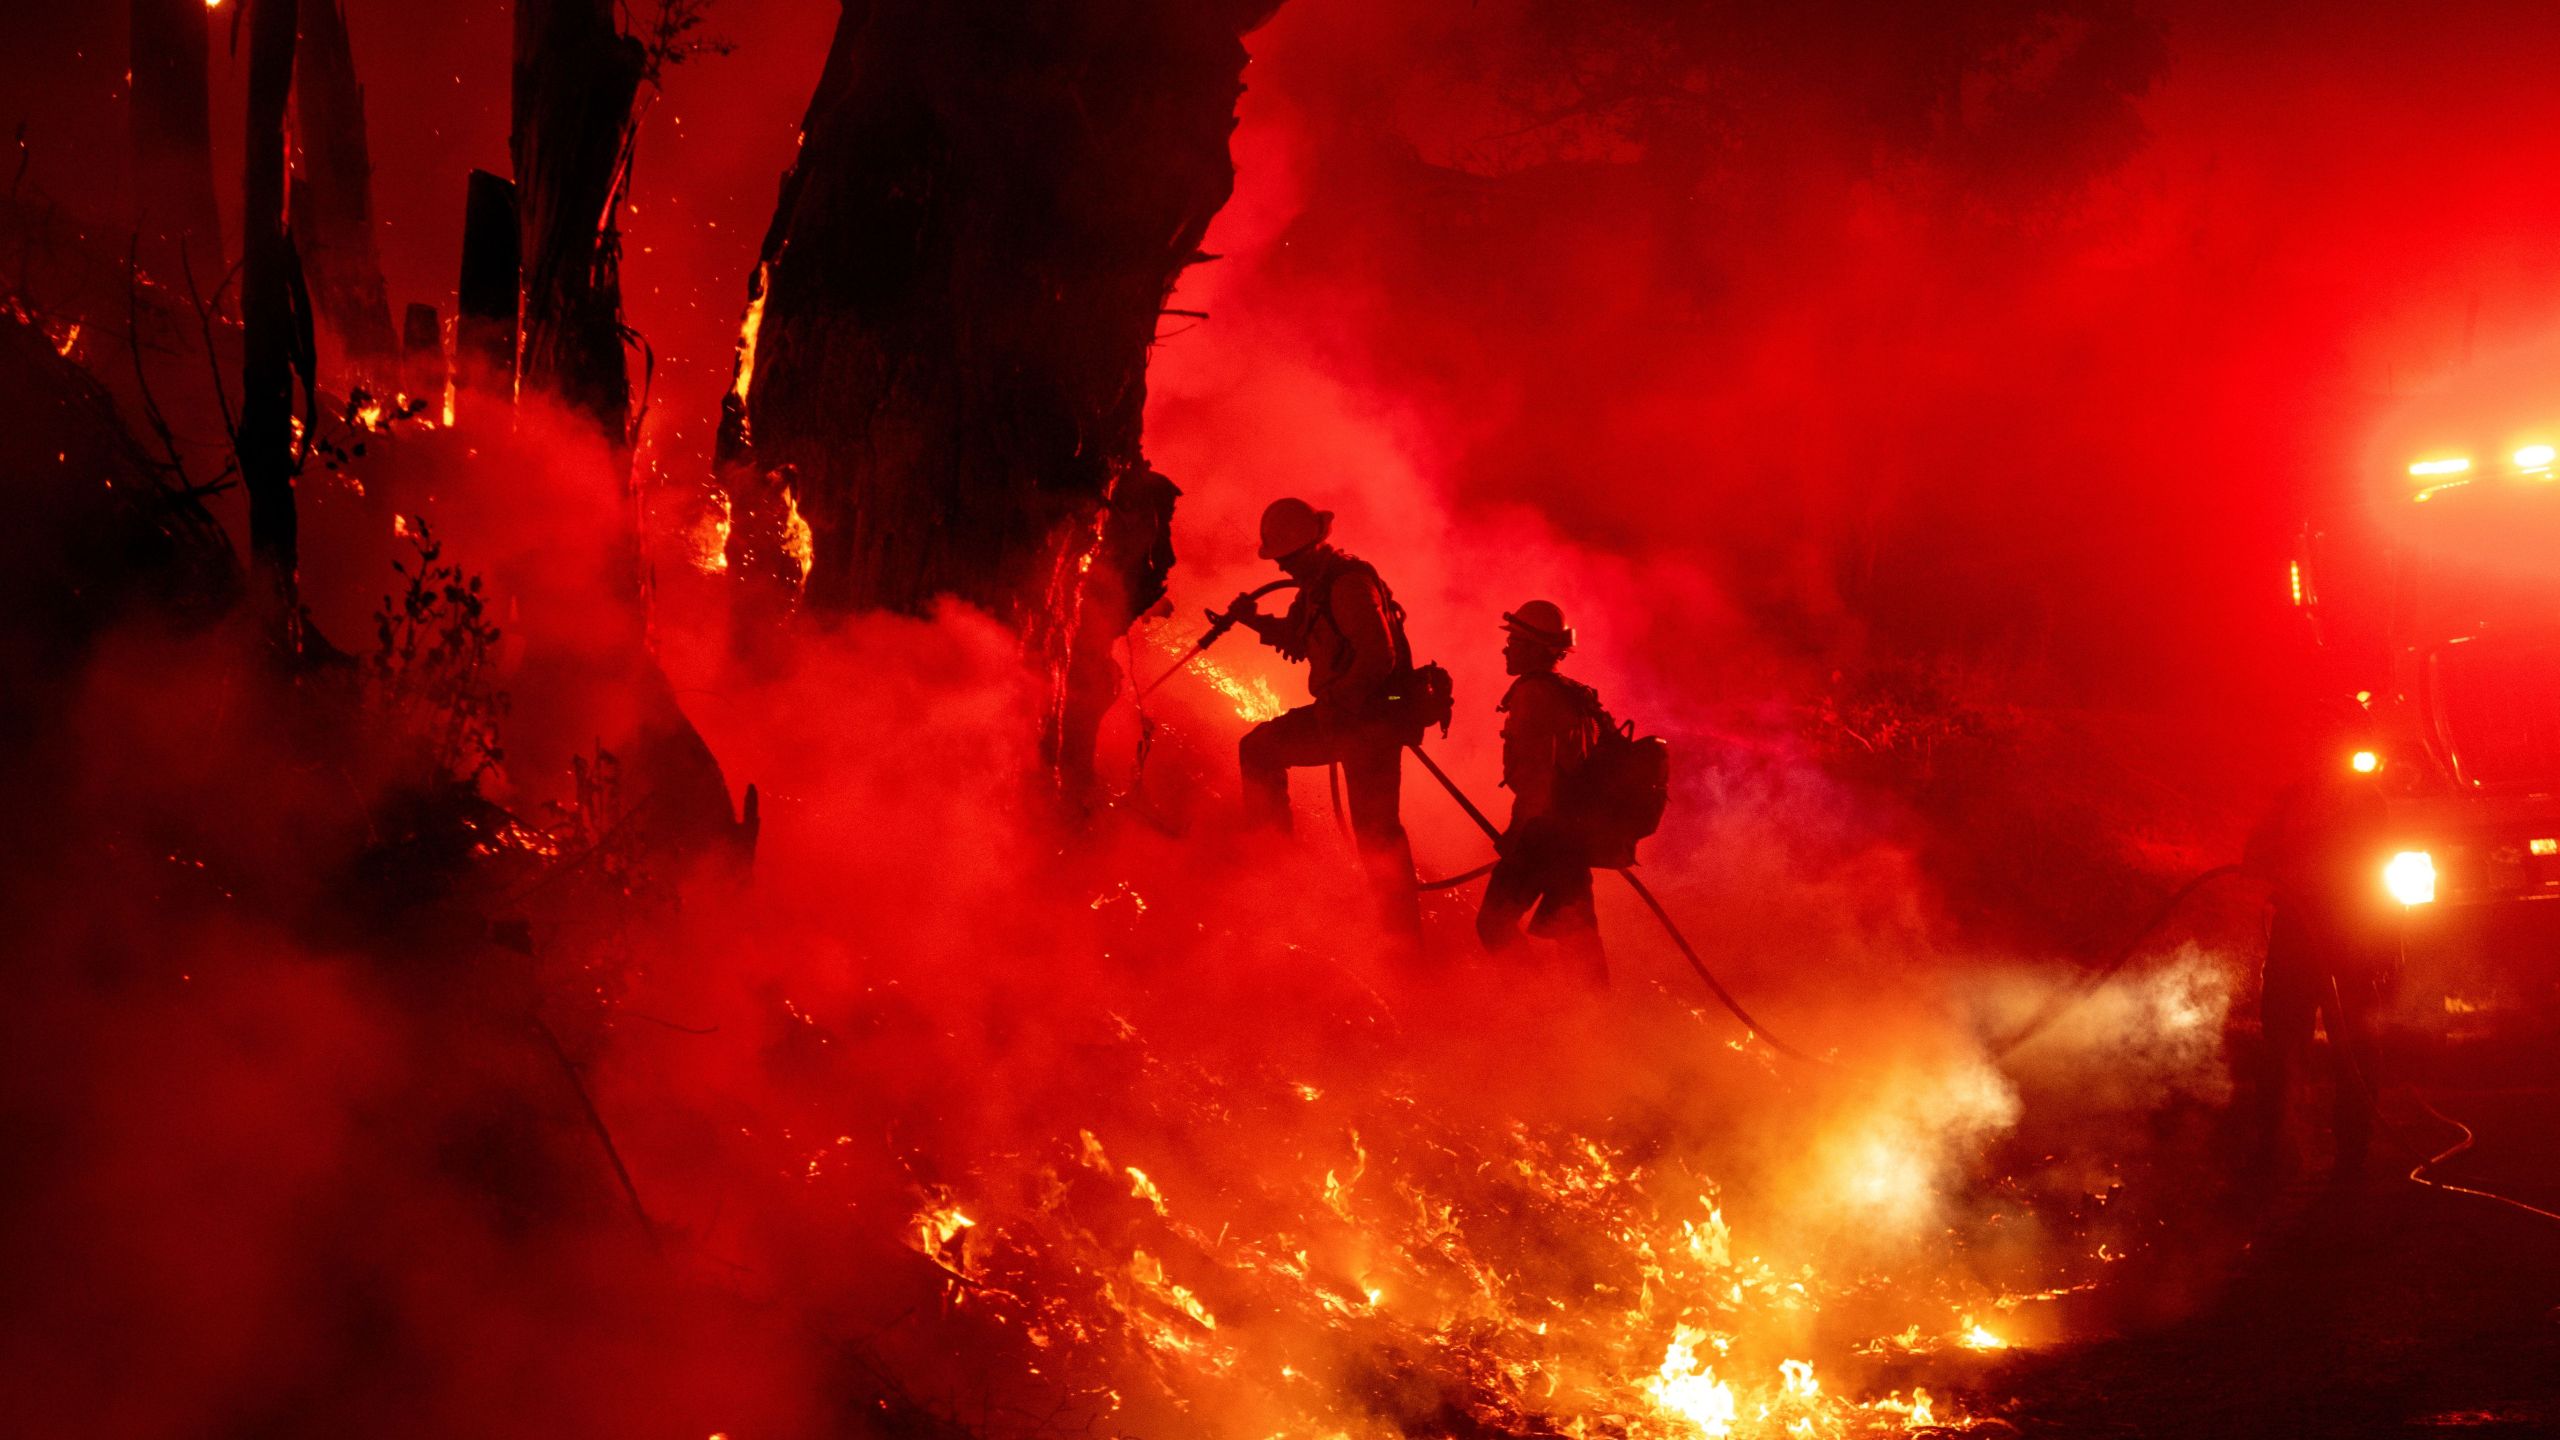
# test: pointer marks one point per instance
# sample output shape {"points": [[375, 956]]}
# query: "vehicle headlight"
{"points": [[2410, 876]]}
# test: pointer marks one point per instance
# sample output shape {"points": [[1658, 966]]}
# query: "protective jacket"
{"points": [[1549, 727], [1347, 627]]}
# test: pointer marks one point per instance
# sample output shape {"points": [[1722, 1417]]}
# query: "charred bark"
{"points": [[333, 212], [485, 332], [961, 283], [173, 134], [274, 319], [576, 76]]}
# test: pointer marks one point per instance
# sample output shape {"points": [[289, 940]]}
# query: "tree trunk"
{"points": [[424, 372], [960, 286], [173, 137], [576, 75], [274, 324], [334, 223], [485, 330]]}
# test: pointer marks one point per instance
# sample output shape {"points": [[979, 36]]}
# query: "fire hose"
{"points": [[2091, 980], [1643, 892], [2367, 1092], [2370, 1095], [1220, 622]]}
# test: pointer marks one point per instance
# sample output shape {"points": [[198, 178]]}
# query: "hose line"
{"points": [[1687, 951]]}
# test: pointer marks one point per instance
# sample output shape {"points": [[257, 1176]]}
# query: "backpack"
{"points": [[1618, 794], [1418, 696]]}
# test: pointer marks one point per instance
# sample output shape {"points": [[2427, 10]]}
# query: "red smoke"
{"points": [[2030, 376]]}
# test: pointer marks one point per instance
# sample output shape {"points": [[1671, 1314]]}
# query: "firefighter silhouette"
{"points": [[2332, 943], [1550, 728], [1346, 625]]}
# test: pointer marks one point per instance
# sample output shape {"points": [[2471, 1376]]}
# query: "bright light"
{"points": [[2365, 762], [2456, 466], [2536, 457], [2297, 582], [2544, 846], [2411, 877]]}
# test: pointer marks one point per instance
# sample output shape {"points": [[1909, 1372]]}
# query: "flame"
{"points": [[937, 1227], [747, 331], [70, 338], [1687, 1389], [448, 403], [1397, 1232], [707, 539], [1254, 699], [797, 541]]}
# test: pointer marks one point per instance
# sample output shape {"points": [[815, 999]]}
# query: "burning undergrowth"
{"points": [[951, 1123], [1132, 1133]]}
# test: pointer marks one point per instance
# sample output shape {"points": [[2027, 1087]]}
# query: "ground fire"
{"points": [[1279, 720]]}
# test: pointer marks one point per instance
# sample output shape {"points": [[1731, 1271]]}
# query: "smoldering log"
{"points": [[172, 136], [576, 75], [274, 328], [333, 208], [961, 283], [485, 330]]}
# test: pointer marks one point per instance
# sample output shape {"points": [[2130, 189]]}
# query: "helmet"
{"points": [[1291, 525], [1540, 620]]}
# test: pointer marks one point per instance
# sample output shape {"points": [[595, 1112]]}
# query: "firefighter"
{"points": [[1550, 726], [1345, 624], [2332, 947]]}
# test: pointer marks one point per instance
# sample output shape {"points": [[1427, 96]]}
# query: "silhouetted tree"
{"points": [[576, 75], [274, 314], [957, 295], [333, 198]]}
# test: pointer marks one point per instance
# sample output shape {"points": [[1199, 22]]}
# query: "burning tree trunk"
{"points": [[274, 314], [952, 315], [172, 133], [334, 218], [576, 75]]}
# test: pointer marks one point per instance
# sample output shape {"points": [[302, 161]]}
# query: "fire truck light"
{"points": [[2297, 582], [2536, 457], [2411, 877], [2365, 762], [2455, 466], [2544, 846]]}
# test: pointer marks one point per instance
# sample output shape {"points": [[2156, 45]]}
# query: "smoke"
{"points": [[2019, 347]]}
